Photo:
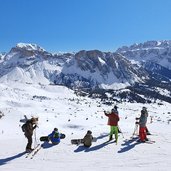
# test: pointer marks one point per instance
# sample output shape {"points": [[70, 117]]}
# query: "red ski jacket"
{"points": [[112, 119]]}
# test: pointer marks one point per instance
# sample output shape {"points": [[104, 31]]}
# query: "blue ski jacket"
{"points": [[54, 137]]}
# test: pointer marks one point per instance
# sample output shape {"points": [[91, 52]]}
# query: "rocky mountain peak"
{"points": [[29, 47], [154, 51], [24, 51], [146, 46]]}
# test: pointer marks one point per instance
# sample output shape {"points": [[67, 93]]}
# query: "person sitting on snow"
{"points": [[54, 137], [87, 140]]}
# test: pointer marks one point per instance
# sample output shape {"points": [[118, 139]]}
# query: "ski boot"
{"points": [[110, 138], [29, 150]]}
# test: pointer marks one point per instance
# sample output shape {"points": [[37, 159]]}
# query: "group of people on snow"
{"points": [[113, 119], [53, 137]]}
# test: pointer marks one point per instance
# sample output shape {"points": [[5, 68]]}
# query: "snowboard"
{"points": [[45, 138], [81, 141]]}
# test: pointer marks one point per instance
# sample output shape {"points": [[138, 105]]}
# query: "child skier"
{"points": [[142, 124], [113, 119], [115, 110]]}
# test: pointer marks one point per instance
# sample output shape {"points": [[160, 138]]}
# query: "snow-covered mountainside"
{"points": [[155, 58], [29, 63], [32, 63], [130, 73], [154, 51]]}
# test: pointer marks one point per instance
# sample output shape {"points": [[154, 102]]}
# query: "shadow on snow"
{"points": [[94, 148], [48, 145], [129, 144], [8, 159]]}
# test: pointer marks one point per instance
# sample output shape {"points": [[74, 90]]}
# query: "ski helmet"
{"points": [[55, 129]]}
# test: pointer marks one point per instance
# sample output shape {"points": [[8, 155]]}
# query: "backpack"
{"points": [[56, 135], [24, 127]]}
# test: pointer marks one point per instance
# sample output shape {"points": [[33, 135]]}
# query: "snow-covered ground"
{"points": [[59, 107]]}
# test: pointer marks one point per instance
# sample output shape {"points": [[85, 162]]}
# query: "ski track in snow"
{"points": [[59, 107]]}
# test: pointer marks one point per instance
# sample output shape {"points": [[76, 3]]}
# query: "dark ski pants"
{"points": [[29, 138]]}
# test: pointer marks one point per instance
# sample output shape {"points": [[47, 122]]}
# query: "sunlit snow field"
{"points": [[57, 106]]}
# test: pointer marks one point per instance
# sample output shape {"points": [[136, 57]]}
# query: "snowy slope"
{"points": [[57, 106]]}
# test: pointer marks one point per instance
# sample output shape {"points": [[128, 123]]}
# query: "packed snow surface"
{"points": [[57, 106]]}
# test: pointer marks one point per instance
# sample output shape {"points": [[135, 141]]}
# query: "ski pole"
{"points": [[135, 129], [35, 138], [121, 131]]}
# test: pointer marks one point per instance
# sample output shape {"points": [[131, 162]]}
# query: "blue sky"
{"points": [[73, 25]]}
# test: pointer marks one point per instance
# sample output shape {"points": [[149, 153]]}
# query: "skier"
{"points": [[54, 137], [115, 109], [113, 119], [137, 123], [28, 128], [87, 140], [142, 124]]}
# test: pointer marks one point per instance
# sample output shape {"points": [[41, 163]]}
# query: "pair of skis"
{"points": [[133, 138], [149, 141], [34, 152]]}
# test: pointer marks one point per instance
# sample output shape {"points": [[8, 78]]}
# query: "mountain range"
{"points": [[140, 72]]}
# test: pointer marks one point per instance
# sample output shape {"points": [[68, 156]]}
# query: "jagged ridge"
{"points": [[140, 64]]}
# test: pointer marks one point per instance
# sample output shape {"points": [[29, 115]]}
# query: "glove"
{"points": [[35, 126]]}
